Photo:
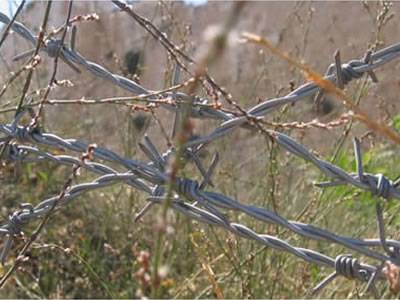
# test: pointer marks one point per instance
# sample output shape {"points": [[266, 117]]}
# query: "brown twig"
{"points": [[9, 25], [14, 75], [30, 71], [215, 49], [328, 87], [112, 100], [342, 120], [53, 75], [73, 20], [175, 51], [40, 40]]}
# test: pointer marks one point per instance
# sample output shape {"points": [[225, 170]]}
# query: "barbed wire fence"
{"points": [[190, 197]]}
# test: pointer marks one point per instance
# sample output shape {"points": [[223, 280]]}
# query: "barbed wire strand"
{"points": [[9, 25], [190, 188], [205, 206], [374, 183], [351, 70], [188, 209]]}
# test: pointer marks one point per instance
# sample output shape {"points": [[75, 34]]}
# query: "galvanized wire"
{"points": [[186, 188], [191, 198], [351, 70], [189, 189]]}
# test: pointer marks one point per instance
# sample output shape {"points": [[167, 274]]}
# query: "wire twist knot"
{"points": [[379, 185], [52, 47], [23, 133], [158, 191], [13, 152], [349, 267], [13, 227], [348, 71], [186, 186], [15, 223]]}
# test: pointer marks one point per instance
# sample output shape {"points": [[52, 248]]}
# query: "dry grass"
{"points": [[94, 249]]}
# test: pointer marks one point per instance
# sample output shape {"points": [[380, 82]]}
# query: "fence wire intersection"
{"points": [[195, 199]]}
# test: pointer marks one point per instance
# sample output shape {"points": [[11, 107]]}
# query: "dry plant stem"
{"points": [[211, 277], [21, 255], [124, 101], [156, 34], [215, 50], [342, 120], [328, 87], [113, 100], [75, 19], [162, 128], [171, 48], [53, 75], [8, 27], [348, 128], [30, 72], [232, 271], [228, 254], [38, 45], [81, 260], [190, 280], [14, 75]]}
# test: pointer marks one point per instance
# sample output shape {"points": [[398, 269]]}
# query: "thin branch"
{"points": [[53, 75], [328, 87], [9, 25], [40, 40]]}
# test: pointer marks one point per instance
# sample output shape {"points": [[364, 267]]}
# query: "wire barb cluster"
{"points": [[204, 206]]}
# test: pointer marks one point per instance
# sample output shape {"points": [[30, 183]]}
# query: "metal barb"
{"points": [[190, 197], [338, 67], [368, 60], [207, 178], [347, 266], [73, 37], [381, 230]]}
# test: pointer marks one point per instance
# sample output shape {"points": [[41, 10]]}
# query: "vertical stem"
{"points": [[215, 50]]}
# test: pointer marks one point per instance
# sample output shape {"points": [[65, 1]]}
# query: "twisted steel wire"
{"points": [[377, 184], [73, 57], [351, 70], [150, 177], [29, 212], [185, 187]]}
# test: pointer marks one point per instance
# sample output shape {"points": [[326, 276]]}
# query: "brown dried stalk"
{"points": [[31, 65], [327, 86], [53, 75]]}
